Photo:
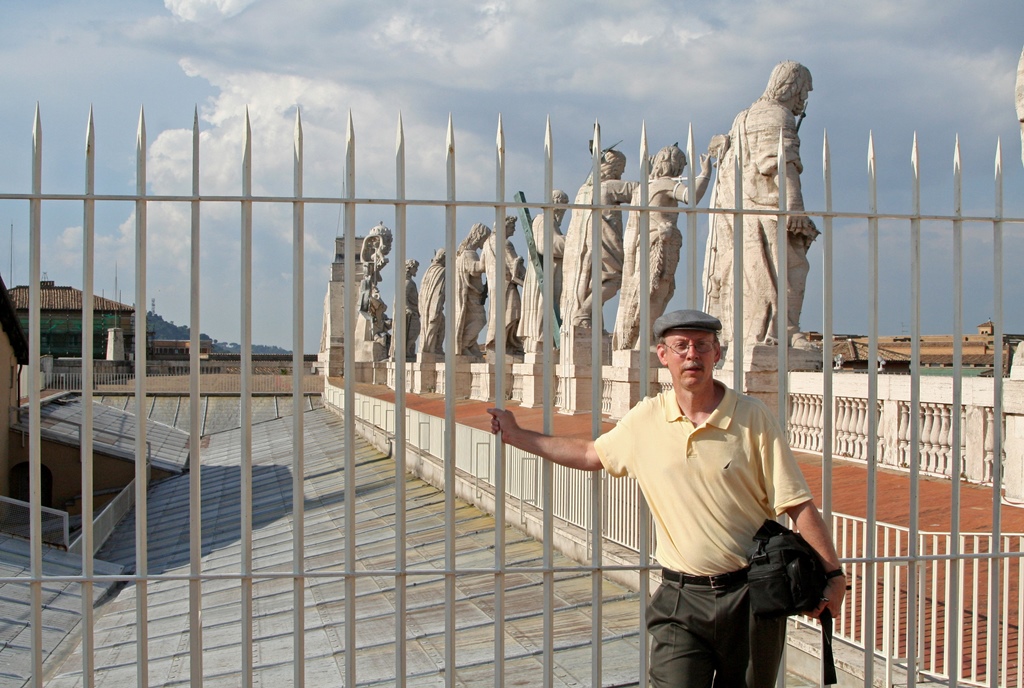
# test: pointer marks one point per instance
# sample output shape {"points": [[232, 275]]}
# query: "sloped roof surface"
{"points": [[273, 526], [113, 432], [54, 298], [62, 605]]}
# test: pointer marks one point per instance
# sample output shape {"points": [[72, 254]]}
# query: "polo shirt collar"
{"points": [[721, 417]]}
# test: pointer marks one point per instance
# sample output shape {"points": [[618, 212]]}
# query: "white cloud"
{"points": [[206, 10], [937, 67]]}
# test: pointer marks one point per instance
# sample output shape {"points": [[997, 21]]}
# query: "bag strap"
{"points": [[770, 529], [828, 662], [766, 532]]}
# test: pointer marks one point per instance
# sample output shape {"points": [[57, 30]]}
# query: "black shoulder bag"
{"points": [[786, 577]]}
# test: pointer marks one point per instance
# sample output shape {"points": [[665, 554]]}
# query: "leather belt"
{"points": [[721, 580]]}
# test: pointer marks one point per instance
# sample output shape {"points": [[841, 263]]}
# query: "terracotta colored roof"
{"points": [[852, 350], [53, 298]]}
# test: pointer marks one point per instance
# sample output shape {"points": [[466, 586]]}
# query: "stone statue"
{"points": [[515, 271], [376, 309], [665, 190], [432, 291], [531, 324], [576, 285], [758, 129], [1020, 101], [470, 292], [373, 256], [412, 311]]}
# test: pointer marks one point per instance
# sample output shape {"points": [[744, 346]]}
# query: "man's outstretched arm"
{"points": [[573, 452]]}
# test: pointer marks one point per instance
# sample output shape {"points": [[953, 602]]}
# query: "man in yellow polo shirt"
{"points": [[712, 465]]}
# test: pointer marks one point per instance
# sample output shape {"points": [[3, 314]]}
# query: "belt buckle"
{"points": [[720, 581]]}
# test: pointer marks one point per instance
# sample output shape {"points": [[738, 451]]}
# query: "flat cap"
{"points": [[686, 320]]}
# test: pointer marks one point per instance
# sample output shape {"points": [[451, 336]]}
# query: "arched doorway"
{"points": [[19, 482]]}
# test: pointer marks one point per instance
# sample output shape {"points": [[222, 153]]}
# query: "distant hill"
{"points": [[163, 329]]}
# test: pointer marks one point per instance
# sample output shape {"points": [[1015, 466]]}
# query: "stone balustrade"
{"points": [[849, 419], [939, 451]]}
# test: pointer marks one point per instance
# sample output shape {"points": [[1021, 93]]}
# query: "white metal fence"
{"points": [[888, 563], [169, 382], [16, 519], [848, 427]]}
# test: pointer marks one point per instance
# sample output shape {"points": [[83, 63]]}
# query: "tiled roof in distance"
{"points": [[54, 298]]}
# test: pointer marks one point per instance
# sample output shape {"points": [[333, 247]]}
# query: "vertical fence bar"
{"points": [[245, 402], [499, 325], [449, 416], [913, 543], [547, 361], [997, 414], [691, 228], [351, 314], [782, 309], [953, 630], [782, 287], [644, 336], [35, 206], [596, 313], [828, 336], [298, 415], [827, 342], [1020, 602], [401, 441], [870, 570], [195, 519], [736, 345], [597, 347], [88, 269], [141, 457]]}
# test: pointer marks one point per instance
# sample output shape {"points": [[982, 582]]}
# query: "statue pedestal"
{"points": [[392, 368], [574, 387], [372, 372], [577, 345], [366, 348], [624, 377], [424, 371], [331, 361], [463, 377], [575, 372], [529, 375], [484, 384], [761, 371]]}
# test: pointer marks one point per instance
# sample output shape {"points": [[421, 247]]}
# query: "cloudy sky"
{"points": [[940, 68]]}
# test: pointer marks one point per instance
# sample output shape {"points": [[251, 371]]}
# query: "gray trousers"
{"points": [[704, 637]]}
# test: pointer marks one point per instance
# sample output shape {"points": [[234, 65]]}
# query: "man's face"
{"points": [[690, 356]]}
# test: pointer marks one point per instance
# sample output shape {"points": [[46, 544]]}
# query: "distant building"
{"points": [[178, 348], [13, 357], [977, 352], [60, 320]]}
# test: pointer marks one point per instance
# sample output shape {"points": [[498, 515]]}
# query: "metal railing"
{"points": [[108, 519], [887, 560], [851, 425], [16, 519], [229, 383]]}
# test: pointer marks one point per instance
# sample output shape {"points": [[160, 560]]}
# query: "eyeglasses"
{"points": [[682, 348]]}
